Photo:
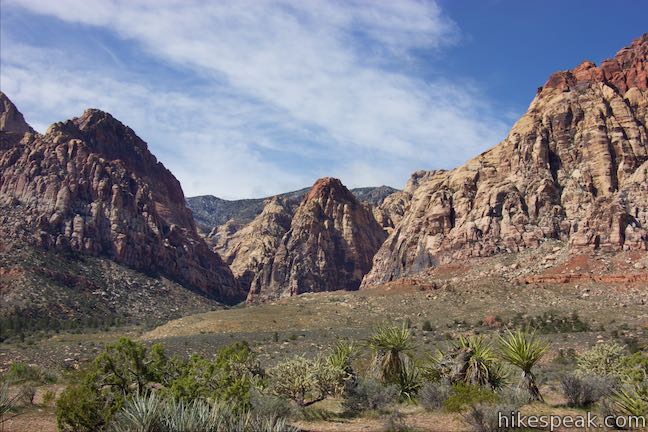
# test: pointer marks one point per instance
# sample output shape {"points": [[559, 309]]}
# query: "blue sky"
{"points": [[249, 97]]}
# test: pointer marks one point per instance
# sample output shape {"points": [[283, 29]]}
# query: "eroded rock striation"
{"points": [[91, 186], [574, 167], [328, 245]]}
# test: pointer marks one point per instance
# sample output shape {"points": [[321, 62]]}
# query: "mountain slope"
{"points": [[90, 186], [574, 168], [210, 211], [327, 246]]}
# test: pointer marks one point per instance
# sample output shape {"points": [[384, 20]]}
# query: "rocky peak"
{"points": [[626, 70], [329, 188], [90, 185], [328, 246], [11, 120]]}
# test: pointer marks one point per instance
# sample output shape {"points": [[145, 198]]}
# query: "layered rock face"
{"points": [[90, 185], [574, 168], [249, 249], [328, 245]]}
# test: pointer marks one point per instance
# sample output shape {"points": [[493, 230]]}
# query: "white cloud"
{"points": [[300, 80]]}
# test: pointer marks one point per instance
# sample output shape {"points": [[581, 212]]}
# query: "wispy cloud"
{"points": [[287, 91]]}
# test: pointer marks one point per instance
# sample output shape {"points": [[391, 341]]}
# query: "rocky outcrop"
{"points": [[91, 186], [574, 168], [328, 246], [211, 212], [247, 250], [390, 212]]}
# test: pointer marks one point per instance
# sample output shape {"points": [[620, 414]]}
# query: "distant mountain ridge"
{"points": [[210, 211]]}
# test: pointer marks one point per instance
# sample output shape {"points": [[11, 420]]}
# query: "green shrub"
{"points": [[427, 326], [604, 360], [21, 372], [81, 408], [369, 395], [126, 369], [464, 395], [303, 380], [48, 397]]}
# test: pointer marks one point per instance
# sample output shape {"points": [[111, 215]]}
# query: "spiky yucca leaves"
{"points": [[390, 345], [524, 350], [149, 413], [339, 362], [409, 381], [139, 414], [631, 400], [481, 367], [7, 403]]}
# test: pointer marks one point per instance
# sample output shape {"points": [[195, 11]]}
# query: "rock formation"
{"points": [[211, 212], [328, 245], [574, 168], [91, 186], [248, 249]]}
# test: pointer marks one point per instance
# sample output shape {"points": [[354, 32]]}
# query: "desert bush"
{"points": [[27, 394], [464, 395], [427, 326], [20, 372], [227, 378], [300, 378], [433, 395], [48, 397], [551, 322], [82, 408], [604, 360], [126, 369], [369, 395], [340, 359], [583, 391], [486, 417], [634, 368], [266, 405], [139, 414], [396, 422]]}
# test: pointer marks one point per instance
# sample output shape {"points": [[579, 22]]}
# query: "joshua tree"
{"points": [[524, 350], [391, 346]]}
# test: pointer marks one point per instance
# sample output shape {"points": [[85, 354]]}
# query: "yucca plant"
{"points": [[390, 344], [340, 361], [631, 401], [194, 416], [524, 350], [341, 356], [482, 366], [7, 403], [141, 413], [409, 381]]}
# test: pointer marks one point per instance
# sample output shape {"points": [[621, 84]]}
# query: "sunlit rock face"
{"points": [[574, 168]]}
